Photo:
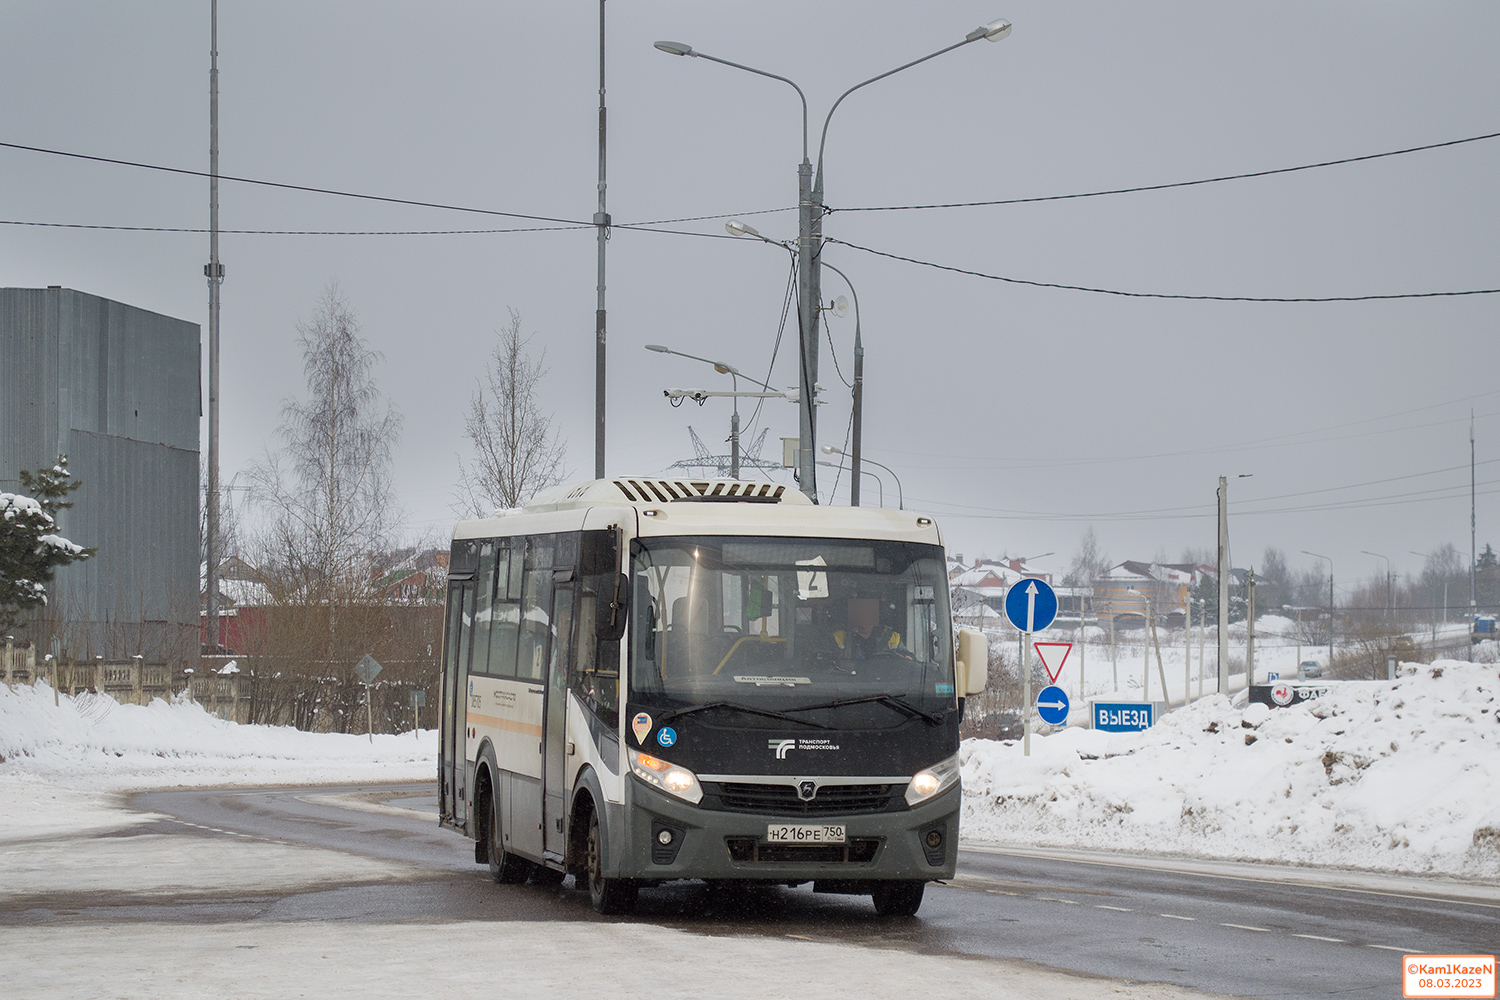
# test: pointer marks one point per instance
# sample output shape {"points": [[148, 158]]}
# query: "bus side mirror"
{"points": [[973, 661], [612, 609]]}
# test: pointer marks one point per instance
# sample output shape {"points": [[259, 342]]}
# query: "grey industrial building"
{"points": [[115, 388]]}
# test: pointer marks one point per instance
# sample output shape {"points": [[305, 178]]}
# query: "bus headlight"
{"points": [[670, 778], [937, 778]]}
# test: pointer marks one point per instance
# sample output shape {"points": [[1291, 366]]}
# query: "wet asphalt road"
{"points": [[1255, 936]]}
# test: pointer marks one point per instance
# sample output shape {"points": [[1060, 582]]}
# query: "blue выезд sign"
{"points": [[1123, 716]]}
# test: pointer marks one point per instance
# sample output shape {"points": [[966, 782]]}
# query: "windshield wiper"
{"points": [[768, 713], [900, 704]]}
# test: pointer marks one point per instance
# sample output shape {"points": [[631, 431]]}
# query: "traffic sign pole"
{"points": [[1026, 683], [1029, 608]]}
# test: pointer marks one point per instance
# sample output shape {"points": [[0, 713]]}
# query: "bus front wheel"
{"points": [[609, 895], [898, 899], [505, 867]]}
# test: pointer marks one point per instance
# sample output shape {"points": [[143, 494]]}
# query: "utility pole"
{"points": [[1202, 635], [809, 250], [1250, 627], [1473, 533], [1224, 570], [1083, 617], [1146, 654], [601, 221], [1187, 650], [214, 272]]}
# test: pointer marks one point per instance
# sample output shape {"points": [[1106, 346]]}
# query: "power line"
{"points": [[1162, 295], [1289, 438], [292, 187], [297, 232], [1166, 513], [564, 223], [1173, 184]]}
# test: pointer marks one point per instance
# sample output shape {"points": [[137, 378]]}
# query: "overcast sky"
{"points": [[1018, 415]]}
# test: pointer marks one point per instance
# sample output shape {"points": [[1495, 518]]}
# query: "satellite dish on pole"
{"points": [[841, 307]]}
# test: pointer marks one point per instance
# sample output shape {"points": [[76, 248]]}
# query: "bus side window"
{"points": [[597, 676], [536, 607], [505, 614], [484, 586]]}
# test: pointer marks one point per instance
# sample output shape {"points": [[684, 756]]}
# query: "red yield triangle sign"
{"points": [[1050, 653]]}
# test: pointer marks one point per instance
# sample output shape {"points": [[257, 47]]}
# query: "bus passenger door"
{"points": [[454, 749], [554, 763]]}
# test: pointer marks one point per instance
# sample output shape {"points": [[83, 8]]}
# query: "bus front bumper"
{"points": [[919, 843]]}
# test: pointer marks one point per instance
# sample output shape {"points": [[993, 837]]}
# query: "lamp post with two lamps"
{"points": [[810, 236]]}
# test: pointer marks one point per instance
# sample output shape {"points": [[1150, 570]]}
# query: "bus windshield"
{"points": [[788, 624]]}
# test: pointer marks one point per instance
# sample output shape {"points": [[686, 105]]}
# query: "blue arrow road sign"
{"points": [[1031, 605], [1052, 705]]}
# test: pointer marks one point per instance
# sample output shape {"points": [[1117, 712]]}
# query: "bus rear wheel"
{"points": [[898, 899], [609, 895]]}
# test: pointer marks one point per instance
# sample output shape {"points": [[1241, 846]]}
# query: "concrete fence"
{"points": [[135, 681]]}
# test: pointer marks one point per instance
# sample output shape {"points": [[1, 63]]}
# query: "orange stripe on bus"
{"points": [[506, 724]]}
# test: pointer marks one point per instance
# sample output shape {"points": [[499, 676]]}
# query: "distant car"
{"points": [[1309, 670], [1403, 644], [1482, 629]]}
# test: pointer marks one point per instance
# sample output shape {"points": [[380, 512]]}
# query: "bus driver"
{"points": [[864, 636]]}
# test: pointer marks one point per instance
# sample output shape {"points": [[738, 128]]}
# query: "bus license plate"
{"points": [[805, 833]]}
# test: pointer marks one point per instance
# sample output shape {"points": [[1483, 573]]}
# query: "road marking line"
{"points": [[1002, 892], [1386, 947], [1121, 909], [1053, 899], [1247, 927], [1319, 937], [1173, 916]]}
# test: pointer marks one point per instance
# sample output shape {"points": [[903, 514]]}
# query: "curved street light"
{"points": [[735, 375], [810, 236], [829, 449]]}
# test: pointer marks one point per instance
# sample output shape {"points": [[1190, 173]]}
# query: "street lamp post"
{"points": [[810, 238], [857, 417], [1146, 645], [829, 449], [1377, 555], [1330, 602], [734, 424]]}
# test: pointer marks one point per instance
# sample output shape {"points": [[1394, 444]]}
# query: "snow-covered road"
{"points": [[314, 892]]}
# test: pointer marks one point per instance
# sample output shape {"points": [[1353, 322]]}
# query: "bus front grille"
{"points": [[830, 800], [749, 850]]}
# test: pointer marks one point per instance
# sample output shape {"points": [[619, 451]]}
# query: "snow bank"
{"points": [[92, 742], [1393, 776]]}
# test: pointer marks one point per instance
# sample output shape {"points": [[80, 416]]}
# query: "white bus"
{"points": [[647, 680]]}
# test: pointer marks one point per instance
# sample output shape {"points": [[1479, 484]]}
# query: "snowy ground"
{"points": [[62, 776], [1128, 668], [1397, 776], [543, 959], [64, 769]]}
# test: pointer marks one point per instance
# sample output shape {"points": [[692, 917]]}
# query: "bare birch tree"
{"points": [[1089, 563], [327, 491], [516, 452]]}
